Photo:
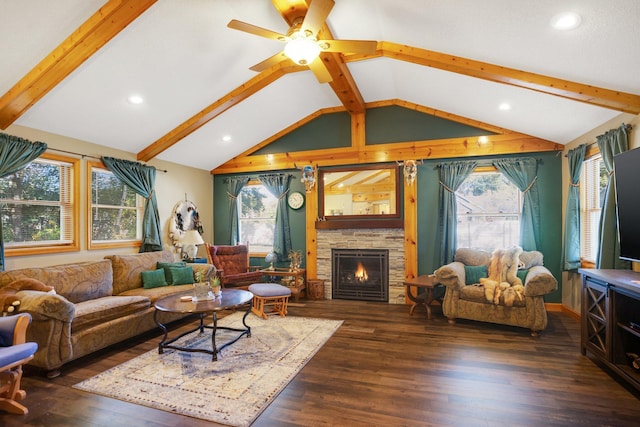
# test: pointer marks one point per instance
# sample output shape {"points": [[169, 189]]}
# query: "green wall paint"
{"points": [[399, 124], [327, 131], [550, 192], [297, 218]]}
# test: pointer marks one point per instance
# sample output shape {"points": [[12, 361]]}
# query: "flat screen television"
{"points": [[627, 177]]}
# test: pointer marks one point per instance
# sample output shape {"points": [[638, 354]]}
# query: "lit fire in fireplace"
{"points": [[361, 273]]}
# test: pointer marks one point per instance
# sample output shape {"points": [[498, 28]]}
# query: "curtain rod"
{"points": [[592, 143], [89, 155]]}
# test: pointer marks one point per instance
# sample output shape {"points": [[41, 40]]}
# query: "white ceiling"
{"points": [[181, 57]]}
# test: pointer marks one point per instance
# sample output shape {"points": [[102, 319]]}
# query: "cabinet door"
{"points": [[595, 315]]}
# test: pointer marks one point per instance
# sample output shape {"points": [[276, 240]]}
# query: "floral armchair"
{"points": [[508, 291]]}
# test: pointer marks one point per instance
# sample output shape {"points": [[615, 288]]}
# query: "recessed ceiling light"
{"points": [[226, 138], [135, 99], [566, 21], [504, 106], [483, 140]]}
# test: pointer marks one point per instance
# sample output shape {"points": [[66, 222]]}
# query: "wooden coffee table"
{"points": [[229, 300], [426, 282]]}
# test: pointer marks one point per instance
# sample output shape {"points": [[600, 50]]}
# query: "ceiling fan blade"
{"points": [[320, 71], [316, 15], [269, 62], [349, 46], [258, 31]]}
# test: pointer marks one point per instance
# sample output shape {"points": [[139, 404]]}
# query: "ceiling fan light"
{"points": [[301, 49]]}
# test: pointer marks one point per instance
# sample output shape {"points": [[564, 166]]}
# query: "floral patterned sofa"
{"points": [[97, 304]]}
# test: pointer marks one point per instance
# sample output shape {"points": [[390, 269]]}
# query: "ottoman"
{"points": [[269, 295]]}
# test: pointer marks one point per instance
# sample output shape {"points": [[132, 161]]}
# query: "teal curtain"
{"points": [[523, 173], [571, 241], [15, 153], [141, 179], [451, 176], [611, 143], [234, 187], [278, 186]]}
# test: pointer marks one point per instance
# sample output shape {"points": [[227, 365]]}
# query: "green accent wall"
{"points": [[550, 192], [326, 131], [400, 124], [297, 218]]}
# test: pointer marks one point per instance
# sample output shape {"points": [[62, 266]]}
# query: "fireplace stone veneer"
{"points": [[391, 239]]}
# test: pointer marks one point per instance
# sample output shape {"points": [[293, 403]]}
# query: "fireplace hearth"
{"points": [[360, 274]]}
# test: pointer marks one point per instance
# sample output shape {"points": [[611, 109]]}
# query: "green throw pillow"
{"points": [[166, 265], [153, 279], [179, 275], [473, 273], [522, 274]]}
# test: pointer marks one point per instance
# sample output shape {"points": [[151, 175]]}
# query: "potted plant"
{"points": [[215, 285]]}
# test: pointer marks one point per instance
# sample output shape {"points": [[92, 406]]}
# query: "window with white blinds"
{"points": [[593, 183], [39, 207]]}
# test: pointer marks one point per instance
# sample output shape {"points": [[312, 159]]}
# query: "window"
{"points": [[115, 219], [39, 207], [593, 183], [257, 212], [489, 209]]}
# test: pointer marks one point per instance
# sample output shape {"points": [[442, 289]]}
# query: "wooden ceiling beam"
{"points": [[383, 153], [92, 35], [593, 95], [343, 84], [214, 110]]}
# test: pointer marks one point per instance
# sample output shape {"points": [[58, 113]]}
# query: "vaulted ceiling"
{"points": [[69, 66]]}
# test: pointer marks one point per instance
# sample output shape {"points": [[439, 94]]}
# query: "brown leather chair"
{"points": [[232, 265]]}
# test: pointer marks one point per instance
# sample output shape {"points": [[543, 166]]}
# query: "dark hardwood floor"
{"points": [[383, 367]]}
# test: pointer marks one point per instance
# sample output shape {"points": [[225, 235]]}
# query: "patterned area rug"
{"points": [[248, 375]]}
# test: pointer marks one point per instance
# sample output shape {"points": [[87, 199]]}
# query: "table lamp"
{"points": [[190, 243], [271, 258]]}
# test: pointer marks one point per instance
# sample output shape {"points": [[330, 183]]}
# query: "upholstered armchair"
{"points": [[14, 352], [505, 287], [232, 265]]}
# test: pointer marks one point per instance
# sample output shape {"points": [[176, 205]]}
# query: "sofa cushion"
{"points": [[469, 256], [476, 293], [102, 310], [156, 293], [76, 282], [153, 278], [127, 268]]}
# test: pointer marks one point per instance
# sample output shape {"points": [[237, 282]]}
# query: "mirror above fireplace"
{"points": [[359, 197]]}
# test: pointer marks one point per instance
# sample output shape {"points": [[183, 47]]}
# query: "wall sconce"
{"points": [[410, 170], [308, 176]]}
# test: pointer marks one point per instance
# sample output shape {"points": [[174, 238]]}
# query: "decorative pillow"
{"points": [[522, 274], [473, 273], [530, 259], [179, 275], [165, 266], [153, 278]]}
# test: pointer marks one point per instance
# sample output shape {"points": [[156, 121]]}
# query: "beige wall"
{"points": [[171, 187], [571, 281]]}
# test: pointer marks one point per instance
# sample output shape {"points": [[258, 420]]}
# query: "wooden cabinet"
{"points": [[611, 320]]}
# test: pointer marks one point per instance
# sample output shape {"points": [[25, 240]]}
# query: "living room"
{"points": [[389, 131]]}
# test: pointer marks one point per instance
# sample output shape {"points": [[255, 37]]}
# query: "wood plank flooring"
{"points": [[385, 368]]}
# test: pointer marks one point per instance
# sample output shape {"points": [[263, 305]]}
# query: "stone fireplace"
{"points": [[388, 239], [360, 274]]}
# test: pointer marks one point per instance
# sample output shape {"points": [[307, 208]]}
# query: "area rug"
{"points": [[248, 375]]}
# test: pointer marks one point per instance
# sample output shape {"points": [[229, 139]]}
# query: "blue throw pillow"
{"points": [[473, 273], [179, 275], [153, 279]]}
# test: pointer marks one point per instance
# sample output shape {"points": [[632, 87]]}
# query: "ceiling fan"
{"points": [[301, 41]]}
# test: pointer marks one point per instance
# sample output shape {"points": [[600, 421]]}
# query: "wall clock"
{"points": [[295, 200]]}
